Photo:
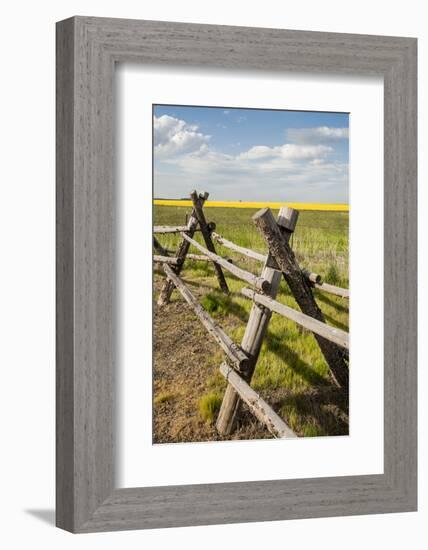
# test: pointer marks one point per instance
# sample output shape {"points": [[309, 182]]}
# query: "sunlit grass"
{"points": [[209, 405]]}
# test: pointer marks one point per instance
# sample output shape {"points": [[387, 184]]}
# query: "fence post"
{"points": [[206, 233], [301, 290], [256, 328], [168, 287]]}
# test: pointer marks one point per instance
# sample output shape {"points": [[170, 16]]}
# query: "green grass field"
{"points": [[291, 373]]}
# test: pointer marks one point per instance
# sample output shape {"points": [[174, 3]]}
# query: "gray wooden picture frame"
{"points": [[87, 50]]}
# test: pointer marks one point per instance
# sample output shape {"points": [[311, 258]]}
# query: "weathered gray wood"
{"points": [[260, 283], [331, 289], [284, 256], [233, 352], [165, 259], [232, 246], [261, 410], [86, 266], [164, 229], [336, 335], [65, 286], [202, 258], [315, 280], [88, 50], [189, 255], [311, 277], [166, 291], [206, 233], [255, 331]]}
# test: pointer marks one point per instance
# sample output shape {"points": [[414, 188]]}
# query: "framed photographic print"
{"points": [[236, 274]]}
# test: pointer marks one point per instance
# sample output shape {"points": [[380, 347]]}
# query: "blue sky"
{"points": [[251, 154]]}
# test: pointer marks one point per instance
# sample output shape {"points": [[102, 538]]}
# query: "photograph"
{"points": [[250, 274]]}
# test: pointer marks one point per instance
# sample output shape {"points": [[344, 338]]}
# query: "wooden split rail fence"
{"points": [[240, 360]]}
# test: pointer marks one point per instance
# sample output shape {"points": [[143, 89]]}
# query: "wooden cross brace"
{"points": [[197, 217]]}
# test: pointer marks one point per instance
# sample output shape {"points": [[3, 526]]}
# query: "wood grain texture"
{"points": [[64, 277], [258, 406], [163, 229], [87, 49], [333, 334]]}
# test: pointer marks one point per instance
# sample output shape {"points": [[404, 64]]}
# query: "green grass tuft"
{"points": [[163, 397], [332, 276], [209, 406], [312, 431]]}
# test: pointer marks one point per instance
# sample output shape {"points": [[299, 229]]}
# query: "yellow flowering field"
{"points": [[320, 207]]}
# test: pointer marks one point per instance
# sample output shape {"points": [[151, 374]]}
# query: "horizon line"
{"points": [[320, 206]]}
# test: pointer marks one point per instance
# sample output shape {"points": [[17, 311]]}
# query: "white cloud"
{"points": [[289, 151], [227, 179], [260, 163], [173, 136], [291, 171], [320, 134]]}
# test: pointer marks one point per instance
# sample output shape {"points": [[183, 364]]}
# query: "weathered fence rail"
{"points": [[163, 229], [258, 282], [331, 289], [233, 352], [336, 335], [166, 252], [313, 278], [256, 404], [245, 251], [280, 262], [165, 259]]}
